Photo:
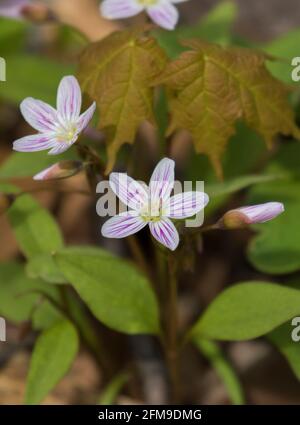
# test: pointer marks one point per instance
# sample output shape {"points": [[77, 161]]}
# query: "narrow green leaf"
{"points": [[247, 310], [239, 183], [214, 355], [115, 291], [53, 355], [282, 339], [24, 164], [113, 389], [34, 227]]}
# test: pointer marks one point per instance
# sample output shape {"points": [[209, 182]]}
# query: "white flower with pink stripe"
{"points": [[152, 205], [58, 129], [162, 12]]}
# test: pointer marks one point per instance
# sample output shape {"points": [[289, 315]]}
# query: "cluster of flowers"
{"points": [[58, 129]]}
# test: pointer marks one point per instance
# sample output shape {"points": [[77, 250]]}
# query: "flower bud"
{"points": [[244, 216], [60, 170], [6, 200]]}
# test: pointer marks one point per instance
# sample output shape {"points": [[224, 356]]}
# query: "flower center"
{"points": [[148, 2], [152, 211], [66, 134]]}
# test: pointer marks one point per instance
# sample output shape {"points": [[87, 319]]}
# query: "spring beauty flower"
{"points": [[13, 8], [244, 216], [162, 12], [152, 205], [58, 129]]}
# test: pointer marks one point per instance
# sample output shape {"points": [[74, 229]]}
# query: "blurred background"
{"points": [[37, 56]]}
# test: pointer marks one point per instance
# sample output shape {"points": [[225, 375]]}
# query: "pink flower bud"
{"points": [[60, 170], [241, 217]]}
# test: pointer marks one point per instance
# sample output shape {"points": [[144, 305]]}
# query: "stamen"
{"points": [[66, 134], [148, 2]]}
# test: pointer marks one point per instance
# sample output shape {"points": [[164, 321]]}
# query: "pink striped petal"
{"points": [[262, 212], [34, 143], [162, 180], [119, 9], [128, 190], [41, 116], [165, 233], [123, 225], [86, 117], [186, 204], [164, 14], [60, 147], [69, 99]]}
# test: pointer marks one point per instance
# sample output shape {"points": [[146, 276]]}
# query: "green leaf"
{"points": [[19, 296], [34, 227], [117, 72], [46, 315], [282, 339], [214, 27], [24, 164], [214, 355], [117, 294], [276, 248], [113, 389], [52, 357], [247, 310], [231, 186], [43, 266], [33, 76]]}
